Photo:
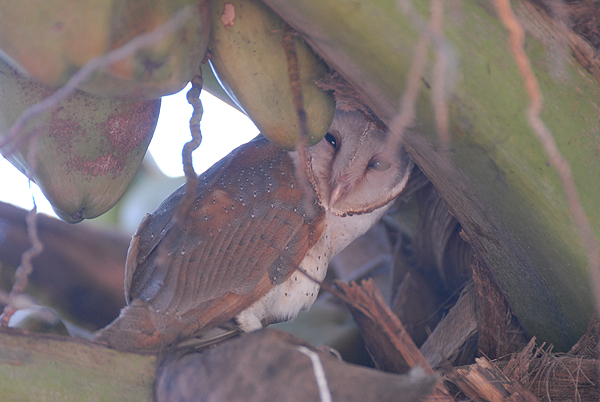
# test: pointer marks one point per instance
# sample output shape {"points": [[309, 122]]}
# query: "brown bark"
{"points": [[387, 341], [81, 268]]}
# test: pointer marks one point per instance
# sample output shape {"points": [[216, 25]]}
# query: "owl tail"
{"points": [[139, 329]]}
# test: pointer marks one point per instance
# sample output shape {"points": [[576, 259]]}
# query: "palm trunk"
{"points": [[498, 180]]}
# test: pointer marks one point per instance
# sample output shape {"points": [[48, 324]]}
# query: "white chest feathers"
{"points": [[299, 292]]}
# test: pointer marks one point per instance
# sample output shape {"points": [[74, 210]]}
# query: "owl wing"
{"points": [[247, 230]]}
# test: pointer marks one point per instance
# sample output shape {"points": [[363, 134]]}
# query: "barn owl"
{"points": [[244, 253]]}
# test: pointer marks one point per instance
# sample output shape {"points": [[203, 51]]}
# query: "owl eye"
{"points": [[379, 165], [332, 140]]}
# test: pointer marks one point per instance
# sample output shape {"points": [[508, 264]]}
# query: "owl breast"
{"points": [[299, 292], [296, 293]]}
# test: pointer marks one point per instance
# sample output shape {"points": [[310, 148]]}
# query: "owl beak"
{"points": [[339, 189]]}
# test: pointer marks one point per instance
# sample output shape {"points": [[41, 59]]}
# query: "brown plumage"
{"points": [[233, 257]]}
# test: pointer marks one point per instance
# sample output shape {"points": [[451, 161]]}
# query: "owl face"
{"points": [[358, 167]]}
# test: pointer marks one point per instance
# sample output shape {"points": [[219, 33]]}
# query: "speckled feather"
{"points": [[232, 259], [225, 255]]}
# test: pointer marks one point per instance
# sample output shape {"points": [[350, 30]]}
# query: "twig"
{"points": [[407, 114], [25, 268], [431, 33], [291, 56], [516, 40], [438, 93], [192, 179], [31, 157]]}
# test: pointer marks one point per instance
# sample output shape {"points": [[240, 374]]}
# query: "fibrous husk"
{"points": [[536, 374]]}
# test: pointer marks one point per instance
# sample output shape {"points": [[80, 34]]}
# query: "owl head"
{"points": [[359, 166]]}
